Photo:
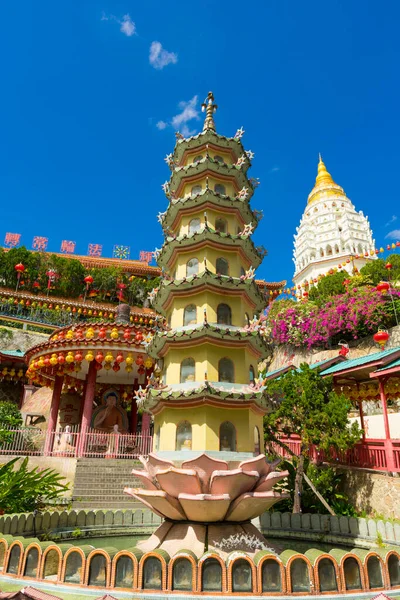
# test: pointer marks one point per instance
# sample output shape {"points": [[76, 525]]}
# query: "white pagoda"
{"points": [[331, 233]]}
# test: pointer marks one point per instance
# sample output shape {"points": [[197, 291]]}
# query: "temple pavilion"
{"points": [[207, 398]]}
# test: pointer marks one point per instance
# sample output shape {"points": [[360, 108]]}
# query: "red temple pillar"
{"points": [[88, 399], [390, 462], [146, 420], [55, 405]]}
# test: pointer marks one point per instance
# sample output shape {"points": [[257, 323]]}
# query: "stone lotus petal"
{"points": [[251, 505], [259, 464], [144, 479], [233, 482], [175, 481], [154, 464], [205, 507], [161, 502], [205, 466], [267, 482]]}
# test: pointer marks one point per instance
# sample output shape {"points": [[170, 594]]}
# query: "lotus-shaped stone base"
{"points": [[205, 492]]}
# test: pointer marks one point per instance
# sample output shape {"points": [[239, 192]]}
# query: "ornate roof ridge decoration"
{"points": [[183, 143], [134, 310], [259, 252], [248, 392], [255, 333], [214, 168], [135, 267], [243, 161]]}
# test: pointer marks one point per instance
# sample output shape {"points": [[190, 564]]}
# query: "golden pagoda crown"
{"points": [[324, 184]]}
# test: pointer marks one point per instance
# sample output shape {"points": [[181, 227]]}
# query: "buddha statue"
{"points": [[109, 417]]}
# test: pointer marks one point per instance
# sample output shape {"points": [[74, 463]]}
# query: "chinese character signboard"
{"points": [[68, 247], [122, 252], [40, 243], [12, 240], [95, 249], [145, 256]]}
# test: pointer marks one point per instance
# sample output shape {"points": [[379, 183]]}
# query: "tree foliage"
{"points": [[23, 490], [10, 417], [375, 269], [331, 285], [307, 406]]}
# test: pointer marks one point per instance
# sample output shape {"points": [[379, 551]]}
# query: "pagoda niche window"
{"points": [[222, 266], [226, 372], [219, 188], [188, 370], [374, 569], [196, 189], [352, 575], [224, 314], [190, 315], [227, 437], [257, 442], [252, 374], [327, 576], [221, 226], [184, 436], [394, 569], [197, 158], [194, 226], [219, 159], [192, 267]]}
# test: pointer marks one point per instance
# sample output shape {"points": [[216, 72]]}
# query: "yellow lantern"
{"points": [[89, 356], [128, 368], [114, 335], [69, 358], [90, 333], [148, 363], [20, 373], [100, 314], [129, 360], [90, 312], [107, 366], [109, 358], [4, 371], [12, 372], [69, 335], [41, 362], [54, 360]]}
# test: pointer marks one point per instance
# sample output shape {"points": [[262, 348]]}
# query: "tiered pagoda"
{"points": [[207, 399], [331, 232]]}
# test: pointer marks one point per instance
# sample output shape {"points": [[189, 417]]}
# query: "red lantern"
{"points": [[381, 337], [383, 287], [98, 366], [116, 367], [397, 244], [102, 333], [119, 358], [127, 334], [139, 361], [141, 370], [36, 284], [388, 247], [61, 359], [388, 266], [88, 280], [99, 357], [377, 251], [19, 268], [79, 357]]}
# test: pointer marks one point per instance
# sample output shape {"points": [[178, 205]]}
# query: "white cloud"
{"points": [[274, 169], [128, 27], [393, 235], [161, 125], [188, 112], [392, 220], [159, 57]]}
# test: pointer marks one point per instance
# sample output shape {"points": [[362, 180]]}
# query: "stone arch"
{"points": [[393, 568], [231, 566], [226, 370], [191, 560], [80, 570], [274, 559], [98, 552], [15, 556], [3, 552], [369, 559], [46, 552], [321, 253], [317, 573], [328, 250], [131, 554], [336, 249], [163, 564], [33, 548], [346, 582], [227, 430], [183, 435], [290, 582], [200, 567]]}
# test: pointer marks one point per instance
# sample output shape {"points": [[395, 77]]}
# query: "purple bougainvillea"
{"points": [[355, 314]]}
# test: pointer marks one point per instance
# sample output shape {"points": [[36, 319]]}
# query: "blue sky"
{"points": [[90, 91]]}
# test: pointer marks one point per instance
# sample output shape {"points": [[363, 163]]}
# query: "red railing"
{"points": [[379, 455], [93, 444]]}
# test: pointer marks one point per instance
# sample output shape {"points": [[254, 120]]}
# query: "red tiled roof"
{"points": [[28, 593]]}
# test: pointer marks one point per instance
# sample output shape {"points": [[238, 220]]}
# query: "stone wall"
{"points": [[21, 340], [282, 354], [373, 493]]}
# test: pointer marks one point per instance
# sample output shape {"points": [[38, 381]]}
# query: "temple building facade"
{"points": [[331, 233]]}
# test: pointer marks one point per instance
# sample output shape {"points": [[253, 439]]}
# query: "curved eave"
{"points": [[157, 400], [215, 239], [224, 173], [169, 290], [209, 161], [210, 333], [207, 199], [203, 138]]}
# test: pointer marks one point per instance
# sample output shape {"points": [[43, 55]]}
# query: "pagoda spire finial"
{"points": [[209, 107], [323, 176]]}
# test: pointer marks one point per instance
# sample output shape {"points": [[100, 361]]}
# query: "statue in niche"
{"points": [[110, 417]]}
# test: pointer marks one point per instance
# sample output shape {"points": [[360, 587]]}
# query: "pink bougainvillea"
{"points": [[355, 314]]}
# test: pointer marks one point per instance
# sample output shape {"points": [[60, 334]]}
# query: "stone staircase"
{"points": [[99, 483]]}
